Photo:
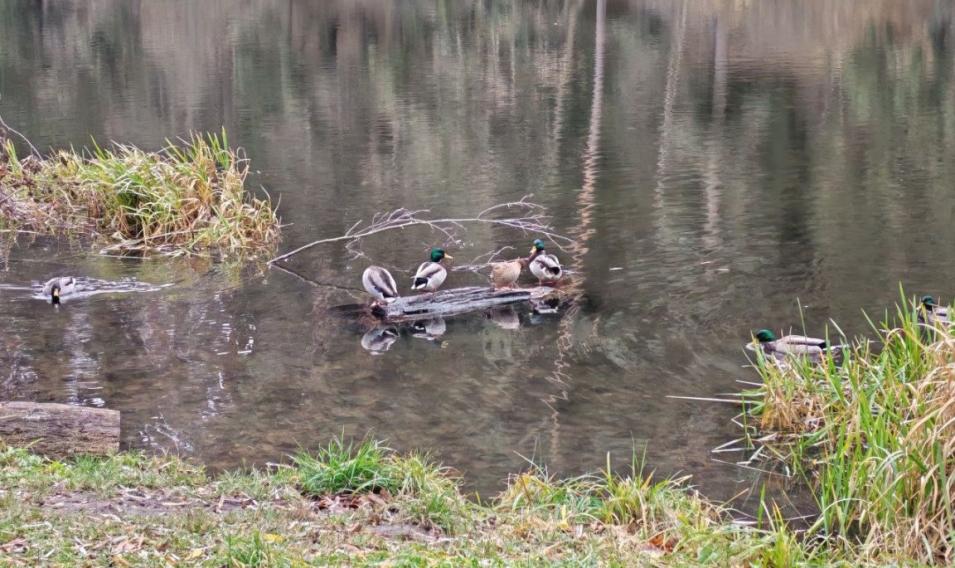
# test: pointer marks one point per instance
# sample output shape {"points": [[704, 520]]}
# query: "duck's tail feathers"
{"points": [[419, 283]]}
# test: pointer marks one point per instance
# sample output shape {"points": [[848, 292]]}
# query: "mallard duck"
{"points": [[931, 313], [379, 339], [431, 274], [57, 288], [379, 283], [790, 344], [505, 274], [544, 266]]}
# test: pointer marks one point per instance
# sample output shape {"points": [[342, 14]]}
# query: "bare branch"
{"points": [[531, 219], [316, 283], [24, 138], [476, 265]]}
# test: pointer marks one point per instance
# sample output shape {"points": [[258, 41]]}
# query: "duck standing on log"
{"points": [[544, 266], [505, 274], [431, 274], [378, 282]]}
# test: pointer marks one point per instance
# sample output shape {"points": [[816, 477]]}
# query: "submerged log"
{"points": [[456, 301], [59, 430]]}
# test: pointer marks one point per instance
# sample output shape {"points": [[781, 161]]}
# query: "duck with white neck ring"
{"points": [[431, 274], [792, 344], [931, 313], [544, 266]]}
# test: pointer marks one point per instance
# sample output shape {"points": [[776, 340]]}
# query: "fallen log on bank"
{"points": [[456, 301], [59, 430]]}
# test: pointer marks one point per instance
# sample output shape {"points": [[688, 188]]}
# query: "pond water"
{"points": [[716, 161]]}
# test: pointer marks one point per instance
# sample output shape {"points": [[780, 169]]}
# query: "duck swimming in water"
{"points": [[790, 344], [544, 266], [931, 313], [379, 283], [57, 288], [431, 274]]}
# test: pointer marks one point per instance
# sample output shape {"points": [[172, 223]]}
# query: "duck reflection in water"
{"points": [[545, 305], [430, 329], [505, 317], [378, 340]]}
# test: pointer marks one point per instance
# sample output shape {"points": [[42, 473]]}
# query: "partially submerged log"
{"points": [[456, 301], [59, 430]]}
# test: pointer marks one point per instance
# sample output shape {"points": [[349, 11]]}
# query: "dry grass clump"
{"points": [[875, 438], [187, 199]]}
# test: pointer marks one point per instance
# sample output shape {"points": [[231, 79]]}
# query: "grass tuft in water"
{"points": [[188, 198], [874, 437]]}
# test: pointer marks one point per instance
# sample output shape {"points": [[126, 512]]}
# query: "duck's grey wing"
{"points": [[379, 283], [805, 341]]}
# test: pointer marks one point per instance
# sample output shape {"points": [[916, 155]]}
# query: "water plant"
{"points": [[874, 437], [188, 198]]}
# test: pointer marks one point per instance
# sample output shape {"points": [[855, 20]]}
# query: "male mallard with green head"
{"points": [[431, 274], [790, 344], [544, 266], [379, 283], [931, 313]]}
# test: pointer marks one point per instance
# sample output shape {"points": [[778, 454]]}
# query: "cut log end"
{"points": [[59, 430]]}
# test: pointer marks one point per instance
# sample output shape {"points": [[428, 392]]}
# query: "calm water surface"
{"points": [[715, 160]]}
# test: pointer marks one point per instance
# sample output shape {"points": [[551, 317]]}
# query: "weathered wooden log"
{"points": [[59, 430], [457, 301]]}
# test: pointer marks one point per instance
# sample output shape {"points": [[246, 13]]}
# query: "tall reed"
{"points": [[874, 436], [184, 199]]}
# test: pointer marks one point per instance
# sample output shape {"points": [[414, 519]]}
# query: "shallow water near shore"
{"points": [[715, 161]]}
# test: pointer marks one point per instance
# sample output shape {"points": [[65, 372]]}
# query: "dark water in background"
{"points": [[717, 161]]}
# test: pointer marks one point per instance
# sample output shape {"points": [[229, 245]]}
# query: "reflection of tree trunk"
{"points": [[566, 66], [666, 129], [585, 199], [584, 229], [712, 184]]}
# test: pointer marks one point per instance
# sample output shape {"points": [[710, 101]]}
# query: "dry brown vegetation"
{"points": [[185, 199]]}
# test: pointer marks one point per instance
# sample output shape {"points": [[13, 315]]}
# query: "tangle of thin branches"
{"points": [[526, 217]]}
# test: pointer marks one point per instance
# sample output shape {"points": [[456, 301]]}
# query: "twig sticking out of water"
{"points": [[531, 218], [10, 129], [314, 282]]}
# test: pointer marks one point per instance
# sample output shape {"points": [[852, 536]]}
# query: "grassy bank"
{"points": [[874, 437], [184, 199], [359, 505]]}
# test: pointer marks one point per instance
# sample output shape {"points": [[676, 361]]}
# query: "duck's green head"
{"points": [[538, 246], [765, 336], [438, 254], [928, 302]]}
